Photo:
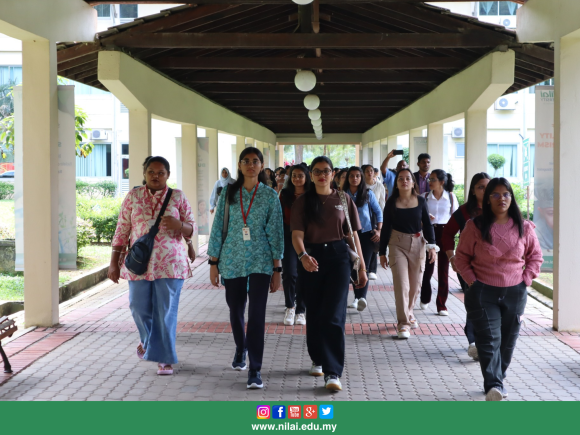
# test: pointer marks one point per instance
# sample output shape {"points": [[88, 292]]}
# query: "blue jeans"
{"points": [[154, 306]]}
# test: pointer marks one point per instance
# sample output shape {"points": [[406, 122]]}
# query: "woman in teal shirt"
{"points": [[249, 260]]}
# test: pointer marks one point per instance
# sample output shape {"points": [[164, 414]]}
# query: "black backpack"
{"points": [[138, 256]]}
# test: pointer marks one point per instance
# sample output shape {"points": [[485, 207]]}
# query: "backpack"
{"points": [[426, 196]]}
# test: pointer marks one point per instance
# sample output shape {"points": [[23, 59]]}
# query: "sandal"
{"points": [[164, 369], [140, 351]]}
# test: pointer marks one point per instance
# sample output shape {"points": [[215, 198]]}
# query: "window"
{"points": [[510, 153], [128, 11], [10, 74], [97, 164], [497, 8], [546, 83], [103, 11], [459, 150], [124, 108], [125, 149]]}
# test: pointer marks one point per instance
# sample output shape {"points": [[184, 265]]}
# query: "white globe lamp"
{"points": [[302, 2], [311, 102], [316, 122], [314, 114], [305, 81]]}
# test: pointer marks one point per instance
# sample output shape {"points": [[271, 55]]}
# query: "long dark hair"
{"points": [[447, 179], [471, 203], [487, 218], [287, 194], [391, 204], [312, 202], [361, 191], [271, 177], [232, 190]]}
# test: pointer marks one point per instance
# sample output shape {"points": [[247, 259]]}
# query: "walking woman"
{"points": [[218, 187], [249, 259], [408, 233], [498, 256], [320, 230], [154, 296], [373, 182], [295, 307], [469, 210], [367, 206], [441, 203], [270, 178]]}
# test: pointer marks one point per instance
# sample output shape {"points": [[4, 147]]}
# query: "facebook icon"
{"points": [[278, 411]]}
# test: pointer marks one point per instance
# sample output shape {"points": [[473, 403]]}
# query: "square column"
{"points": [[384, 150], [240, 146], [475, 144], [392, 143], [213, 169], [414, 151], [566, 210], [365, 154], [187, 168], [249, 142], [40, 182], [139, 144], [377, 154], [435, 147]]}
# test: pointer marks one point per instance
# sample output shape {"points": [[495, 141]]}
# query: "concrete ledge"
{"points": [[543, 289], [10, 307]]}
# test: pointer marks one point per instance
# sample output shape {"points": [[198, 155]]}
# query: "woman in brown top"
{"points": [[319, 229]]}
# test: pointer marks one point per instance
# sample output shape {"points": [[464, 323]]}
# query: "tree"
{"points": [[406, 155], [496, 161], [6, 99]]}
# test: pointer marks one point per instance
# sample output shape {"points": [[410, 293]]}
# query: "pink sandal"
{"points": [[140, 351], [164, 369]]}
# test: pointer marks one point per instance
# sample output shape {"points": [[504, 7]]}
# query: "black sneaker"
{"points": [[255, 379], [239, 362], [332, 382]]}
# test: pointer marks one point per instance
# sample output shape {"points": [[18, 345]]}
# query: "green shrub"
{"points": [[103, 215], [496, 161], [86, 234], [459, 193], [6, 190], [100, 189]]}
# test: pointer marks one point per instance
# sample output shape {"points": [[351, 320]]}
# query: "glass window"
{"points": [[128, 11], [510, 153], [10, 74], [125, 149], [103, 11], [97, 164], [507, 8], [460, 149], [488, 8], [546, 83]]}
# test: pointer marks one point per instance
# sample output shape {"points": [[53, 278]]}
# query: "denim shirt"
{"points": [[239, 258], [364, 213], [389, 181]]}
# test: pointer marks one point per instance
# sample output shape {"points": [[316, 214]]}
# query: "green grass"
{"points": [[547, 279], [12, 285]]}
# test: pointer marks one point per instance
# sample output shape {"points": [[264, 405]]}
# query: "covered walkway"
{"points": [[91, 354]]}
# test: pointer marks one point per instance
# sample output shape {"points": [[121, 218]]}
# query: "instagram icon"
{"points": [[263, 412]]}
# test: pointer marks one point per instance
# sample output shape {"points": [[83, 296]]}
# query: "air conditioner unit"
{"points": [[457, 132], [508, 21], [507, 102], [99, 134]]}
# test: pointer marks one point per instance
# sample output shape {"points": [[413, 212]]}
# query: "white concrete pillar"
{"points": [[240, 146], [377, 154], [249, 142], [365, 154], [139, 144], [392, 142], [213, 169], [358, 155], [187, 168], [435, 147], [413, 149], [475, 144], [566, 211], [40, 182], [384, 150]]}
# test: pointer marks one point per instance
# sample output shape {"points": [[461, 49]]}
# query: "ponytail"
{"points": [[450, 184]]}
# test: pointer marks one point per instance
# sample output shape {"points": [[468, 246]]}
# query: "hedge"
{"points": [[6, 190], [100, 189], [102, 214]]}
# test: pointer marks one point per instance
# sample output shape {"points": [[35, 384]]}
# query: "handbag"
{"points": [[138, 255], [352, 252]]}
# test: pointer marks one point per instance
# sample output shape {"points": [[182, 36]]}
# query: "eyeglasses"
{"points": [[480, 187], [297, 176], [497, 196], [318, 172], [432, 180], [247, 162]]}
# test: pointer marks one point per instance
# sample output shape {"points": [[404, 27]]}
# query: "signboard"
{"points": [[526, 165], [544, 174], [203, 187]]}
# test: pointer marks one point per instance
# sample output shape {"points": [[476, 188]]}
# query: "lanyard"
{"points": [[251, 202], [158, 201]]}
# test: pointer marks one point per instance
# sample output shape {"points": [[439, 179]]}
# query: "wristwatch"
{"points": [[302, 254], [277, 269], [212, 263]]}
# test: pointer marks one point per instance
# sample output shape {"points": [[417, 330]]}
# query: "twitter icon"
{"points": [[326, 411]]}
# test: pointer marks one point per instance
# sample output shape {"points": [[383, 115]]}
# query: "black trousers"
{"points": [[368, 249], [325, 293], [292, 291], [469, 331], [442, 275], [372, 268], [238, 290], [495, 313]]}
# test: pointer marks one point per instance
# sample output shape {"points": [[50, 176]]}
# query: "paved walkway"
{"points": [[91, 354]]}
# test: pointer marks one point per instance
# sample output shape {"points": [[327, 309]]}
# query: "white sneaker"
{"points": [[372, 276], [300, 319], [443, 313], [354, 304], [414, 324], [332, 382], [494, 395], [472, 352], [289, 316], [362, 304], [315, 370], [403, 332], [424, 306]]}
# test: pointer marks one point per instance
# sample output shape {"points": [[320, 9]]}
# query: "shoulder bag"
{"points": [[352, 252], [138, 255]]}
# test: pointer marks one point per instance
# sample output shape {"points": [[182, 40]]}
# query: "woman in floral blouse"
{"points": [[154, 296], [249, 259]]}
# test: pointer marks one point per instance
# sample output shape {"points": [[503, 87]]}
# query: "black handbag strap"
{"points": [[163, 207]]}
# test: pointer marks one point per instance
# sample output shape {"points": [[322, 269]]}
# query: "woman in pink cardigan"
{"points": [[498, 256]]}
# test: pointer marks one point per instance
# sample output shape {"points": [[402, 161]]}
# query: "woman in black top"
{"points": [[408, 232]]}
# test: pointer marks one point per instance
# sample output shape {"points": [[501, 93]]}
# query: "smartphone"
{"points": [[398, 152]]}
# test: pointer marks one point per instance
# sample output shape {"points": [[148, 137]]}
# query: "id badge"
{"points": [[246, 233]]}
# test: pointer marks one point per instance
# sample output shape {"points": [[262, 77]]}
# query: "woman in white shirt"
{"points": [[442, 203]]}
